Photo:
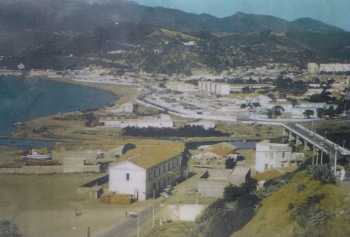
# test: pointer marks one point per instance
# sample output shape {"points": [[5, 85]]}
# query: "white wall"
{"points": [[135, 186], [271, 156], [185, 212]]}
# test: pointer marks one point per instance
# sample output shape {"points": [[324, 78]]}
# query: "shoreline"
{"points": [[112, 90]]}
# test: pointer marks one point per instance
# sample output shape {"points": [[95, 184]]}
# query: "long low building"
{"points": [[161, 121], [147, 170], [314, 68]]}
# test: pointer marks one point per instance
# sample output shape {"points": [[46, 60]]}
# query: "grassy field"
{"points": [[249, 131], [8, 154], [174, 229], [274, 217]]}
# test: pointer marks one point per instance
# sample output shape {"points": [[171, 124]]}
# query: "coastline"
{"points": [[121, 94]]}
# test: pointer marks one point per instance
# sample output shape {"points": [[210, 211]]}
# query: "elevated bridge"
{"points": [[303, 134], [321, 146]]}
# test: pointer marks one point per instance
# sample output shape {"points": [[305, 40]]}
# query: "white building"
{"points": [[204, 124], [161, 121], [335, 68], [190, 43], [272, 156], [214, 88], [313, 68], [145, 176]]}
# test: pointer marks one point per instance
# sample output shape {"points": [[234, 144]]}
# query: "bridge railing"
{"points": [[325, 140]]}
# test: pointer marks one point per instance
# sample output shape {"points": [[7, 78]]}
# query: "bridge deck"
{"points": [[315, 139]]}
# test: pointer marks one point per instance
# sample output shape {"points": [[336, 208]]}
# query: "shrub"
{"points": [[8, 229], [323, 173], [230, 163]]}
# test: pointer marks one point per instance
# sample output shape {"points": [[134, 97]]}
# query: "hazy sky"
{"points": [[336, 12]]}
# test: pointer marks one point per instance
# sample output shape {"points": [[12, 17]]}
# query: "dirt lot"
{"points": [[46, 206]]}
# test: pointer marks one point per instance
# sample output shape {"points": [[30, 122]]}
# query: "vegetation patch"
{"points": [[303, 206], [187, 131]]}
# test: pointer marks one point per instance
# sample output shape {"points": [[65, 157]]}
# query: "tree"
{"points": [[269, 113], [90, 120], [231, 192], [277, 110], [309, 113], [8, 229], [230, 163], [243, 106]]}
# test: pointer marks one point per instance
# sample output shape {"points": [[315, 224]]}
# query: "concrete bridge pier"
{"points": [[314, 155], [298, 141], [322, 158], [291, 137], [306, 146]]}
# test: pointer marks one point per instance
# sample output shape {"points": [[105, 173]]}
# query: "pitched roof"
{"points": [[148, 155]]}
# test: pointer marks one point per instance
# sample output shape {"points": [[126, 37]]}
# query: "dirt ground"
{"points": [[49, 206]]}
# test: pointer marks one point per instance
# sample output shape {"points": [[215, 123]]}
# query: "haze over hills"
{"points": [[66, 33], [80, 15]]}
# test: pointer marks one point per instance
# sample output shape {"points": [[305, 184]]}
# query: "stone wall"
{"points": [[33, 170]]}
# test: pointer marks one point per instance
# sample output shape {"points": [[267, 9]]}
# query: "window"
{"points": [[127, 176]]}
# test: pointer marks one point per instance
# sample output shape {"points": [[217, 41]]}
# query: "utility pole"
{"points": [[88, 232], [153, 217], [335, 161], [138, 225]]}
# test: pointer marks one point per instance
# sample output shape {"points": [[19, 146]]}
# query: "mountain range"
{"points": [[74, 33], [79, 15]]}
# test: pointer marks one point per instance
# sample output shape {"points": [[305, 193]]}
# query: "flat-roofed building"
{"points": [[313, 68], [214, 88], [272, 156], [147, 170], [161, 121]]}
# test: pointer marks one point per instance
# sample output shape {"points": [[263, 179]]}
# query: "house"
{"points": [[272, 156], [146, 171]]}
